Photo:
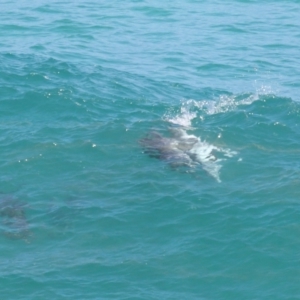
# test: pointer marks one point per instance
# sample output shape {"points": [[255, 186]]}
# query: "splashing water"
{"points": [[209, 156], [186, 115]]}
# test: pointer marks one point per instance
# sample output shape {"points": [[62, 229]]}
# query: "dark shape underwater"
{"points": [[174, 150], [13, 219]]}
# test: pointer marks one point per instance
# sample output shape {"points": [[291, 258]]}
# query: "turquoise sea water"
{"points": [[87, 88]]}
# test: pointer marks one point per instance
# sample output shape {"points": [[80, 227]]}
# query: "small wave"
{"points": [[209, 156]]}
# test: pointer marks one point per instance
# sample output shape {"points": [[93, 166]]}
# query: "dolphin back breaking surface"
{"points": [[183, 149], [165, 148]]}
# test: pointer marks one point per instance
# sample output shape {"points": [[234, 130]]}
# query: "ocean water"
{"points": [[150, 149]]}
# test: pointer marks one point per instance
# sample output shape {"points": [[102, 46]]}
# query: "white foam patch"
{"points": [[203, 153], [211, 157]]}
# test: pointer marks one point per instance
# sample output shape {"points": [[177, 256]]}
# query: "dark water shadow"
{"points": [[13, 221]]}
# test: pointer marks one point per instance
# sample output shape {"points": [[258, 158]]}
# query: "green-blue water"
{"points": [[87, 88]]}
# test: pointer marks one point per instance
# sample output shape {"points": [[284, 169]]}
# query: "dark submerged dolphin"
{"points": [[13, 218], [174, 150]]}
